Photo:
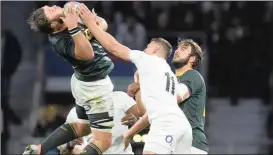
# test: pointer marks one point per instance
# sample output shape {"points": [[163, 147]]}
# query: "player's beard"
{"points": [[60, 21], [180, 63], [60, 25]]}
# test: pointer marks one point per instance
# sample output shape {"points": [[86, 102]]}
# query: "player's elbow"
{"points": [[91, 55], [141, 112]]}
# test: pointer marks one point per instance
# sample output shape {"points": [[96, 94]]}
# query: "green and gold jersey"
{"points": [[194, 106]]}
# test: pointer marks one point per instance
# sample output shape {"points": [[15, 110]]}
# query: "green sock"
{"points": [[61, 135]]}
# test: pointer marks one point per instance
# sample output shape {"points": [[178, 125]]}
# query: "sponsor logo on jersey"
{"points": [[169, 139]]}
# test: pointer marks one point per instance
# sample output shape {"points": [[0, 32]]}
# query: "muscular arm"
{"points": [[83, 49], [109, 42], [134, 91]]}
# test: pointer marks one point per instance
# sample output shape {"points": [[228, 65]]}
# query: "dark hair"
{"points": [[38, 21], [195, 50], [165, 44]]}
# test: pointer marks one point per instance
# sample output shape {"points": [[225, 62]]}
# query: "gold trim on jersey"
{"points": [[87, 34], [204, 112], [181, 73]]}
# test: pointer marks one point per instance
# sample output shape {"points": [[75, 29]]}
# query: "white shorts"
{"points": [[169, 135], [95, 98], [195, 150]]}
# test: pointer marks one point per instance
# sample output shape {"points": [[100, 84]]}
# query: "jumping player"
{"points": [[90, 84], [158, 92], [123, 105]]}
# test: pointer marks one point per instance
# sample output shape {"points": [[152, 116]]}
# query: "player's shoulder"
{"points": [[58, 37], [193, 75]]}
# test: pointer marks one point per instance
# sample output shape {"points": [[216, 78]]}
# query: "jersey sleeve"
{"points": [[66, 47], [192, 80], [138, 58]]}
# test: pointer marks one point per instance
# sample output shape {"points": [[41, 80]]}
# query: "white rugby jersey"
{"points": [[122, 102], [157, 84]]}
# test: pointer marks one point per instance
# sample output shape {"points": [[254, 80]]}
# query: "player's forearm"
{"points": [[109, 42], [140, 106], [101, 36], [83, 49], [138, 126]]}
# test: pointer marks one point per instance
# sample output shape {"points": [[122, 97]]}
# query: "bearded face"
{"points": [[180, 62], [181, 57]]}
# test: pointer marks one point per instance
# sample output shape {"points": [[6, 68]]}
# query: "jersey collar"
{"points": [[181, 73]]}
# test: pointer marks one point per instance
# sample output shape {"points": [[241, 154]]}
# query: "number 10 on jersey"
{"points": [[170, 85]]}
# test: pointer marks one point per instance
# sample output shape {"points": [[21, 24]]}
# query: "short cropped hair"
{"points": [[167, 47], [38, 21], [195, 50]]}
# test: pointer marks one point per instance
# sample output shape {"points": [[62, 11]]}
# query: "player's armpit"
{"points": [[182, 93]]}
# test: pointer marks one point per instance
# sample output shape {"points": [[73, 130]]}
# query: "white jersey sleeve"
{"points": [[139, 58]]}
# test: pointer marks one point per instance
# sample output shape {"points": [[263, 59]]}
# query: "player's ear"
{"points": [[156, 49], [53, 24], [192, 59]]}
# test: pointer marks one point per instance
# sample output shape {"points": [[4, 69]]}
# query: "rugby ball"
{"points": [[76, 9]]}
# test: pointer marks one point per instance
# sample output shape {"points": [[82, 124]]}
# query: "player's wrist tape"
{"points": [[74, 31]]}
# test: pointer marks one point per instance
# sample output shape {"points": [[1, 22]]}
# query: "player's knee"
{"points": [[102, 137], [81, 129], [91, 149]]}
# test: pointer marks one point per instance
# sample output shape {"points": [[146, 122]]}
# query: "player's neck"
{"points": [[60, 30], [182, 70]]}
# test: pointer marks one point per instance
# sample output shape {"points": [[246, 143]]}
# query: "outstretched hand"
{"points": [[71, 16], [86, 15]]}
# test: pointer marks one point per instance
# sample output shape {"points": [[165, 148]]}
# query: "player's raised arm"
{"points": [[107, 40], [82, 48]]}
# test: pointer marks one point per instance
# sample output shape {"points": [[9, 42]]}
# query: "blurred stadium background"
{"points": [[237, 38]]}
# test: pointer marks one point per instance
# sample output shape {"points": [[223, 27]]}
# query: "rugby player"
{"points": [[90, 85], [192, 91], [158, 92], [123, 106]]}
